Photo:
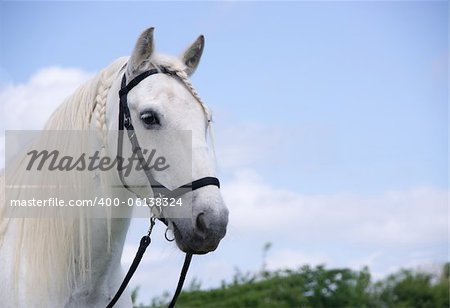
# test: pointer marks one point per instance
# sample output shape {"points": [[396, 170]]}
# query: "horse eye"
{"points": [[150, 118]]}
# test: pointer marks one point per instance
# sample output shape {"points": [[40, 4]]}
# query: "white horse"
{"points": [[51, 262]]}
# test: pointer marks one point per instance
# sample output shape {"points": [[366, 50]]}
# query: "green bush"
{"points": [[319, 287]]}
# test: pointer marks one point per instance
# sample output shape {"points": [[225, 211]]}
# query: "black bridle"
{"points": [[158, 188], [125, 122]]}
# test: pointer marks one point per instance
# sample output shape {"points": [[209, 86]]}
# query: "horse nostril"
{"points": [[201, 224]]}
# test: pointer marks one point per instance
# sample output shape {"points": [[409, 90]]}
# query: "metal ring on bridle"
{"points": [[167, 238]]}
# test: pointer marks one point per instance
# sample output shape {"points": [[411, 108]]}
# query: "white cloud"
{"points": [[416, 216], [29, 105], [248, 144]]}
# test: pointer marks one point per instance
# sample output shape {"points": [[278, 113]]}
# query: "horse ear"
{"points": [[142, 51], [191, 57]]}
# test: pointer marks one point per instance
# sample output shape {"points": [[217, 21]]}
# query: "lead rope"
{"points": [[145, 241]]}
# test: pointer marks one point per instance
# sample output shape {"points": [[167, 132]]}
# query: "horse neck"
{"points": [[108, 234], [106, 246]]}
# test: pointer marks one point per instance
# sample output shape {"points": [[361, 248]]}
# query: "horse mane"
{"points": [[47, 247]]}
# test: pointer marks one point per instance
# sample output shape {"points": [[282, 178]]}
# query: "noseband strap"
{"points": [[125, 123]]}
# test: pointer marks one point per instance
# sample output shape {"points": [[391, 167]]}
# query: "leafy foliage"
{"points": [[320, 287]]}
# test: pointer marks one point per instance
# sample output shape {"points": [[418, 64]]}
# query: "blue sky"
{"points": [[340, 107], [361, 73]]}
